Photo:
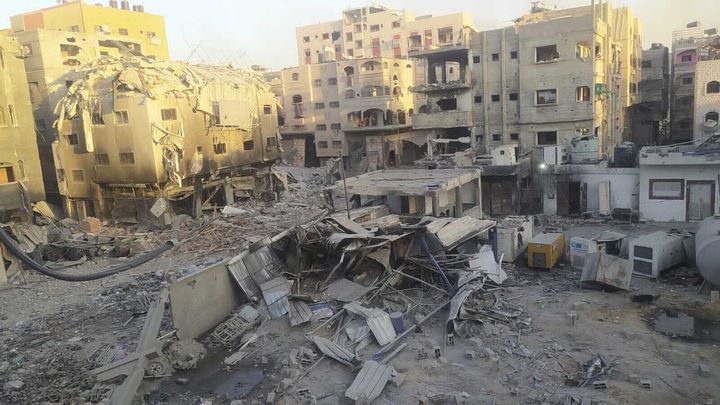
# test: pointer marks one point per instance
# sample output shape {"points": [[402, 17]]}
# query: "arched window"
{"points": [[295, 77], [713, 87], [349, 70], [712, 116], [410, 112], [397, 65]]}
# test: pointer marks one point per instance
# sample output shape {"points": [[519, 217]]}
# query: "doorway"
{"points": [[571, 198], [700, 202]]}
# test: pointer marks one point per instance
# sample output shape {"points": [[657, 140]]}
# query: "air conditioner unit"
{"points": [[579, 249], [653, 253]]}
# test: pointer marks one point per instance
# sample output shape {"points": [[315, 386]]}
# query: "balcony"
{"points": [[442, 119]]}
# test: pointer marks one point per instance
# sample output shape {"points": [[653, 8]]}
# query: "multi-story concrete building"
{"points": [[20, 178], [360, 108], [690, 45], [375, 31], [58, 39], [649, 116], [706, 114], [132, 131], [554, 76]]}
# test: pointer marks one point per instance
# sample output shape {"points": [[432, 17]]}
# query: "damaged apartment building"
{"points": [[20, 178], [690, 46], [57, 40], [554, 76], [132, 131], [359, 108], [649, 116]]}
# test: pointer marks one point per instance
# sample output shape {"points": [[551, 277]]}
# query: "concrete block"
{"points": [[90, 225], [703, 369]]}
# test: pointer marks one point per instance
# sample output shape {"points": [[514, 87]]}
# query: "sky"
{"points": [[247, 32]]}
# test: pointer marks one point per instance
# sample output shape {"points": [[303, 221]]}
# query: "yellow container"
{"points": [[545, 250]]}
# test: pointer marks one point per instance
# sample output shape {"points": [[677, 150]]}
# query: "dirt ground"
{"points": [[49, 329]]}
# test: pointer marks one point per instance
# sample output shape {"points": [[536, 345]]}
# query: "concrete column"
{"points": [[459, 212], [197, 197], [479, 194], [229, 191], [436, 204]]}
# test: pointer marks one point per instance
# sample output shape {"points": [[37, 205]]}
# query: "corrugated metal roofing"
{"points": [[378, 321], [369, 382], [346, 291]]}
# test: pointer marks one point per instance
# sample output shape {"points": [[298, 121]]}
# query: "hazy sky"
{"points": [[245, 32]]}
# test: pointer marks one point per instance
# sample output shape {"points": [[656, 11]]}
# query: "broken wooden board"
{"points": [[369, 382]]}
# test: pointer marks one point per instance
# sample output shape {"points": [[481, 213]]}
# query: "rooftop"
{"points": [[408, 181]]}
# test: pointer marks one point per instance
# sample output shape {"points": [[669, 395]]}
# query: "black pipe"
{"points": [[6, 239]]}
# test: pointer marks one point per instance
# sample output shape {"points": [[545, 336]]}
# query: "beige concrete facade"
{"points": [[155, 140], [553, 76], [51, 57], [353, 108], [20, 175], [707, 100], [376, 31], [690, 45]]}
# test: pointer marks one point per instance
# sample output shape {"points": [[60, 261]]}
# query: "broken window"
{"points": [[335, 126], [666, 189], [295, 77], [712, 87], [297, 105], [445, 35], [67, 51], [495, 97], [306, 39], [478, 99], [547, 138], [582, 50], [686, 58], [271, 141], [267, 109], [414, 41], [319, 106], [337, 144], [27, 50], [332, 81], [547, 53], [168, 114], [396, 24], [78, 176], [121, 117], [513, 96], [513, 54], [322, 145], [687, 80], [123, 31], [72, 139], [543, 97], [320, 127], [447, 104], [249, 145], [476, 59], [34, 92], [127, 158], [497, 137], [514, 136], [375, 28], [711, 116], [102, 159], [334, 104], [582, 93], [317, 83], [219, 148], [495, 57]]}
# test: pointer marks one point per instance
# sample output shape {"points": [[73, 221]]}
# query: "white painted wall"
{"points": [[673, 210]]}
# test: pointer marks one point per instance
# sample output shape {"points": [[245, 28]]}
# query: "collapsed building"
{"points": [[132, 131]]}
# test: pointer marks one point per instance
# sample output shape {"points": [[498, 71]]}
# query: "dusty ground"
{"points": [[49, 327]]}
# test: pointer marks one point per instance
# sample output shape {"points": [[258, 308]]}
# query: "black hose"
{"points": [[6, 239]]}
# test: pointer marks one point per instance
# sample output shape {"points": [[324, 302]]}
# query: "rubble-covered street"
{"points": [[327, 310]]}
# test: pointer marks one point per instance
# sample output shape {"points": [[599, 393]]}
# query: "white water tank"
{"points": [[707, 249]]}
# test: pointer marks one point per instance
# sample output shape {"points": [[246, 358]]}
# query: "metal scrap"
{"points": [[378, 321], [276, 292], [370, 382], [299, 312], [346, 291], [333, 350]]}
